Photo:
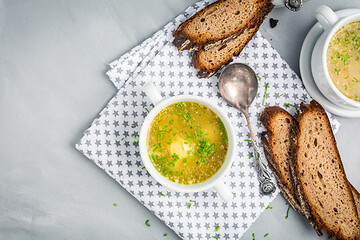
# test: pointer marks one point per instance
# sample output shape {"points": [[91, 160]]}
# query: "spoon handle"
{"points": [[266, 184]]}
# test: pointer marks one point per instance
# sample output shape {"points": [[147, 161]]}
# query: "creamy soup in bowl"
{"points": [[343, 60]]}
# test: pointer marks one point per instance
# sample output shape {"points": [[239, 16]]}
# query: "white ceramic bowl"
{"points": [[331, 24], [216, 180]]}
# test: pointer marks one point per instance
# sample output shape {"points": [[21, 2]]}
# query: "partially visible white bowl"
{"points": [[331, 24], [216, 180]]}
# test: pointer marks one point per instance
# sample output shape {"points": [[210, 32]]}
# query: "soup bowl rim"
{"points": [[214, 179]]}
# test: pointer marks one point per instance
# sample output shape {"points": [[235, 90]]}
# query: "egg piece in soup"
{"points": [[187, 142]]}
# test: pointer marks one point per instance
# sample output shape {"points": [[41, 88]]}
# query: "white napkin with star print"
{"points": [[111, 141]]}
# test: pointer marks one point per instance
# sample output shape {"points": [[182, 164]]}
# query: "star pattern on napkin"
{"points": [[111, 142]]}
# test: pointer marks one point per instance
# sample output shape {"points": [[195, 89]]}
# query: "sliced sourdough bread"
{"points": [[277, 147], [210, 59], [277, 143], [222, 20], [320, 181]]}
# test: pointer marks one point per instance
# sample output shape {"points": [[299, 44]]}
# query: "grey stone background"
{"points": [[53, 57]]}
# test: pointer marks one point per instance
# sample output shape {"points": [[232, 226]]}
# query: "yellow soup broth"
{"points": [[187, 142], [343, 63]]}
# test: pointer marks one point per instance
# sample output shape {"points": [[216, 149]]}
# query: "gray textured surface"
{"points": [[53, 56]]}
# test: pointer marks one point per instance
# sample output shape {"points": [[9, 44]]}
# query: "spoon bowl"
{"points": [[238, 85]]}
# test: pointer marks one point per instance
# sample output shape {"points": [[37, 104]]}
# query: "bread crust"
{"points": [[184, 41], [206, 71], [267, 117], [320, 222]]}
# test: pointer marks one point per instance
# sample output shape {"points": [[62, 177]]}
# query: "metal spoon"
{"points": [[238, 85]]}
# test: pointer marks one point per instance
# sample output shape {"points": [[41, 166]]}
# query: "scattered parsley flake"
{"points": [[253, 235], [132, 126], [247, 140], [189, 206], [281, 95], [288, 104], [287, 212], [165, 234], [302, 100], [266, 234], [160, 193], [259, 78], [217, 228], [250, 156], [143, 167], [115, 204], [147, 223], [193, 201], [147, 110], [122, 139], [266, 88], [268, 207]]}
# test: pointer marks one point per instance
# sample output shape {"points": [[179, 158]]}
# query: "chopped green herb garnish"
{"points": [[247, 140], [147, 223], [160, 193], [259, 78], [250, 156], [287, 212], [146, 109], [193, 201], [179, 105], [266, 234], [345, 87], [281, 95], [215, 237], [122, 139], [257, 154], [115, 204], [143, 167], [288, 104], [266, 88], [302, 100], [132, 126], [165, 234], [253, 235], [189, 206], [268, 207], [217, 228]]}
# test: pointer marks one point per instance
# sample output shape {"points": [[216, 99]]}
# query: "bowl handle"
{"points": [[223, 192], [326, 17], [152, 93]]}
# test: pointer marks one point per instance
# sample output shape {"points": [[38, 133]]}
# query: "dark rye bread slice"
{"points": [[278, 144], [209, 60], [320, 179], [221, 20], [277, 147]]}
